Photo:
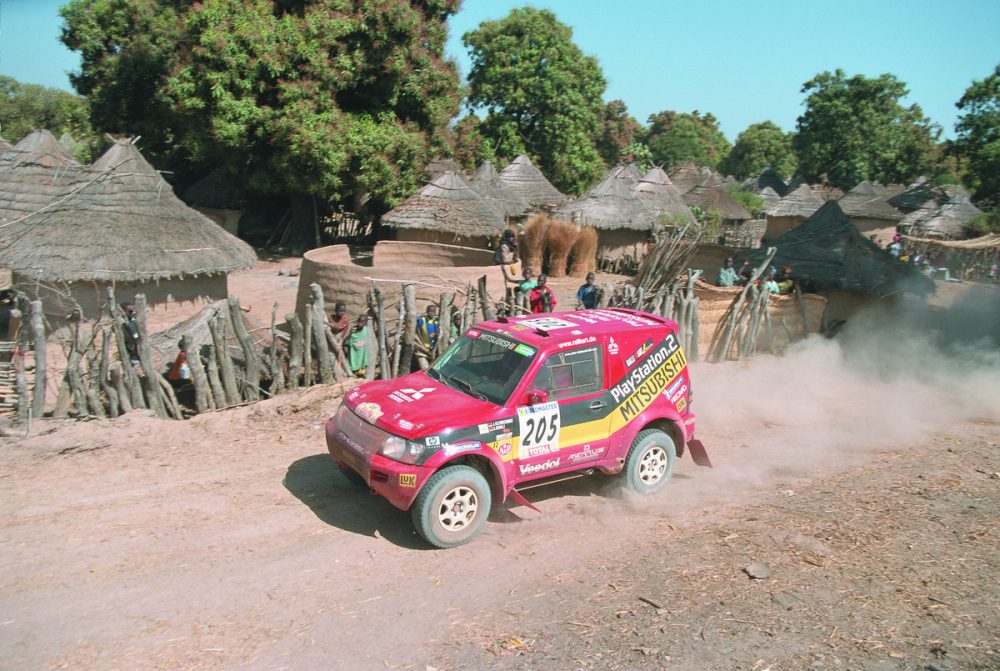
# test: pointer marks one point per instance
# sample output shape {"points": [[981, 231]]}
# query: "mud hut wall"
{"points": [[229, 220], [778, 226], [341, 279], [842, 305], [710, 257], [621, 243], [390, 253], [440, 238], [90, 296], [883, 229]]}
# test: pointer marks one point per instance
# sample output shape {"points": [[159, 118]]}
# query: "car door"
{"points": [[571, 427]]}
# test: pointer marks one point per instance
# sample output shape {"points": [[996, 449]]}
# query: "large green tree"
{"points": [[541, 95], [978, 137], [677, 137], [317, 99], [619, 130], [27, 107], [760, 145], [856, 129]]}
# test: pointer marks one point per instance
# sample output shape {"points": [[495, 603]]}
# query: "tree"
{"points": [[977, 139], [855, 129], [618, 131], [540, 93], [469, 147], [316, 99], [677, 137], [760, 145], [28, 107]]}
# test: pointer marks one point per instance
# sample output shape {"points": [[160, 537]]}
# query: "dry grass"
{"points": [[558, 242], [533, 252], [584, 253]]}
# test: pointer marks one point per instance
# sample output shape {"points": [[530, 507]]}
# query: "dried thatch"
{"points": [[769, 196], [768, 178], [164, 344], [708, 197], [439, 166], [447, 205], [915, 197], [489, 185], [986, 242], [867, 201], [801, 202], [4, 145], [660, 195], [528, 182], [34, 173], [121, 222], [610, 205], [948, 221], [828, 252], [629, 173]]}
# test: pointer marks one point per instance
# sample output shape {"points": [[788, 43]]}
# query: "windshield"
{"points": [[485, 365]]}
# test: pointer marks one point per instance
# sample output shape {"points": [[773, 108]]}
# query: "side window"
{"points": [[570, 374]]}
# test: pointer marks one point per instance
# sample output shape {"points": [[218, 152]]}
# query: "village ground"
{"points": [[857, 479]]}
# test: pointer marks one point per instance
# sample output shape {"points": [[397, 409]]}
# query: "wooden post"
{"points": [[104, 374], [93, 388], [217, 326], [307, 348], [115, 375], [20, 379], [38, 335], [251, 362], [484, 300], [609, 291], [150, 377], [383, 352], [277, 367], [640, 296], [398, 342], [294, 351], [212, 370], [444, 322], [409, 327], [202, 394], [324, 358], [129, 378]]}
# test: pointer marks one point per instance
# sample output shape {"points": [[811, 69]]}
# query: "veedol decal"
{"points": [[548, 323], [410, 395], [538, 426], [530, 469], [369, 411]]}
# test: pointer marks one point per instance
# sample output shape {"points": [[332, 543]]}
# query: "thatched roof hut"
{"points": [[948, 221], [661, 196], [686, 176], [610, 205], [710, 196], [164, 344], [769, 196], [528, 181], [768, 178], [828, 252], [797, 206], [439, 166], [489, 185], [122, 225], [447, 209], [33, 173], [867, 201], [917, 195], [627, 172]]}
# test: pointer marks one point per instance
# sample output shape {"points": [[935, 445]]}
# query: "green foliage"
{"points": [[337, 99], [749, 200], [710, 222], [469, 147], [760, 145], [985, 224], [638, 153], [855, 129], [28, 107], [619, 131], [978, 137], [541, 95], [677, 137]]}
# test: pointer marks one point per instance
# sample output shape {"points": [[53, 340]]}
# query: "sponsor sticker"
{"points": [[410, 395], [638, 353], [548, 323], [407, 479], [681, 404], [451, 449], [587, 454], [577, 341], [432, 441], [497, 425], [504, 449], [524, 350], [405, 424], [369, 411], [531, 469], [538, 426], [678, 394], [612, 346], [472, 333]]}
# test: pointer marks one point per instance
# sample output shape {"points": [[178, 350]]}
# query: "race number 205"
{"points": [[538, 426]]}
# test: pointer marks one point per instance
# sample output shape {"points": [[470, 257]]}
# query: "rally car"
{"points": [[518, 400]]}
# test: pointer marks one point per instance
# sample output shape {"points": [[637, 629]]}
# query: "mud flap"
{"points": [[698, 453], [519, 497]]}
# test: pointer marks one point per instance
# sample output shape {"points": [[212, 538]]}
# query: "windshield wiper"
{"points": [[464, 384], [433, 374]]}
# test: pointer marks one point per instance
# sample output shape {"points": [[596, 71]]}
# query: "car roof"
{"points": [[556, 327]]}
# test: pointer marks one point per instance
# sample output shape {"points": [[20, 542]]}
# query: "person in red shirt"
{"points": [[542, 298]]}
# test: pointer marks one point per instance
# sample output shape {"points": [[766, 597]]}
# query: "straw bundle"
{"points": [[533, 251], [559, 240], [584, 253]]}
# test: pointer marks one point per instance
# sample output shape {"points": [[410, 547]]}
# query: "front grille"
{"points": [[362, 437]]}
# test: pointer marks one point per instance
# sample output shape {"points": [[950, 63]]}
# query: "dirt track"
{"points": [[865, 479]]}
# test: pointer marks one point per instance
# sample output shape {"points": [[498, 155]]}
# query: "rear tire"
{"points": [[452, 507], [650, 461]]}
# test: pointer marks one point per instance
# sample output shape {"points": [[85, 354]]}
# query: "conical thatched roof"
{"points": [[488, 184], [661, 196], [4, 145], [917, 195], [868, 201], [120, 222], [767, 178], [948, 221], [439, 166], [447, 205], [769, 196], [528, 181], [714, 197], [801, 202], [33, 173], [628, 172], [610, 205], [828, 252], [686, 176]]}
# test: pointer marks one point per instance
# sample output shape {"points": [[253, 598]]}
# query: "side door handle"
{"points": [[597, 405]]}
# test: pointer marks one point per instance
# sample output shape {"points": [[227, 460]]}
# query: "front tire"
{"points": [[452, 507], [650, 461]]}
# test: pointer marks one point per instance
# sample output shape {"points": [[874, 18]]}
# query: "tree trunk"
{"points": [[304, 225]]}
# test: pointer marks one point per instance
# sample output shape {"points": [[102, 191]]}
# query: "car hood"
{"points": [[416, 405]]}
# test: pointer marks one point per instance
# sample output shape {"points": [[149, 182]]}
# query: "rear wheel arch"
{"points": [[669, 427]]}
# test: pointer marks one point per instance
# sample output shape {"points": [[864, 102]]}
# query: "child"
{"points": [[356, 346], [586, 295], [542, 298]]}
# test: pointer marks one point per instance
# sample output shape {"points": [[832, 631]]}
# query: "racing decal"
{"points": [[406, 424], [524, 350], [579, 341], [634, 394], [587, 454], [410, 395], [504, 449], [497, 425], [494, 339], [599, 316], [681, 404], [677, 394], [548, 323], [531, 469], [407, 479], [472, 333], [451, 449], [369, 411], [612, 346], [432, 441], [645, 347], [538, 427]]}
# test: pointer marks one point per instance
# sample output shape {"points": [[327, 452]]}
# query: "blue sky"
{"points": [[744, 62]]}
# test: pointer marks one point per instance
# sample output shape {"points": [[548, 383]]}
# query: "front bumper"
{"points": [[395, 481]]}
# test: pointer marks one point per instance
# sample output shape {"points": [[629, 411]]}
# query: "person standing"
{"points": [[338, 319], [728, 277], [356, 346], [542, 299], [427, 327], [586, 295]]}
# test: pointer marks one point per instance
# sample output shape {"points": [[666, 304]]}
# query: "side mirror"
{"points": [[536, 396]]}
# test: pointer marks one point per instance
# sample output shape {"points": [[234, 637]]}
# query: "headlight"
{"points": [[400, 449]]}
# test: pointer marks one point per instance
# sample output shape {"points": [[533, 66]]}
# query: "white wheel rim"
{"points": [[653, 465], [458, 508]]}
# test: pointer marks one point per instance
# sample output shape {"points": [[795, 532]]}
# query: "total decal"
{"points": [[661, 367], [410, 395], [538, 427], [531, 469]]}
